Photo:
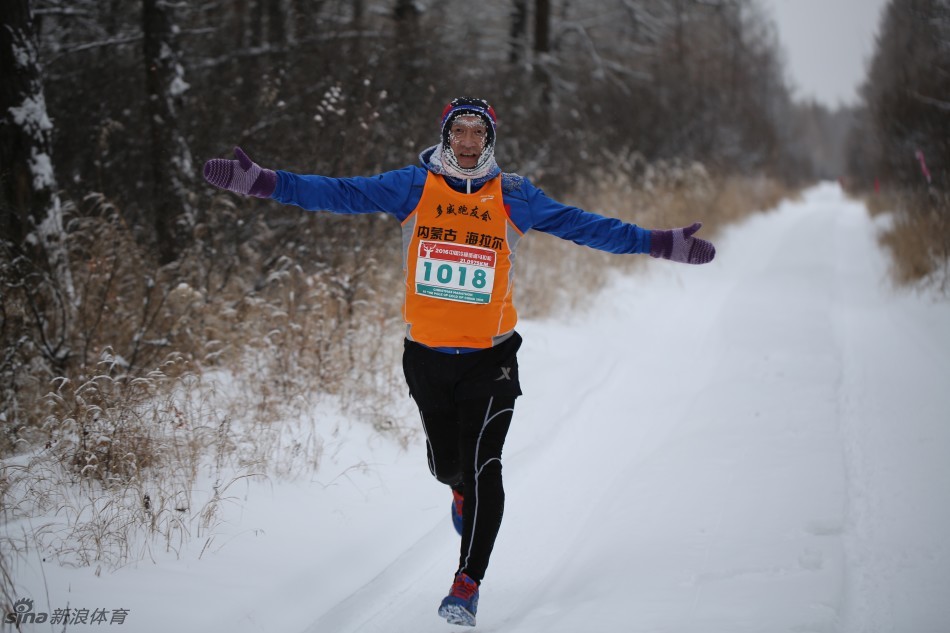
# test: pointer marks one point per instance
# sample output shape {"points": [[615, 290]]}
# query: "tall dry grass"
{"points": [[556, 275], [129, 414], [917, 237]]}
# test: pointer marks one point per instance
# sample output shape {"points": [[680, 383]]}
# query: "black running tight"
{"points": [[466, 402], [464, 449]]}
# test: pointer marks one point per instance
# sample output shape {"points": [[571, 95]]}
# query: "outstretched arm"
{"points": [[394, 192], [604, 233]]}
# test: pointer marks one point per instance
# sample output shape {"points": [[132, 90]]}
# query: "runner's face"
{"points": [[467, 138]]}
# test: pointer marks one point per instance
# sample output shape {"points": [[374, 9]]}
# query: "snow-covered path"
{"points": [[757, 445]]}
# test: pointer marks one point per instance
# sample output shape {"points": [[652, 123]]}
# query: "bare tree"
{"points": [[171, 165], [518, 32], [276, 33], [542, 26]]}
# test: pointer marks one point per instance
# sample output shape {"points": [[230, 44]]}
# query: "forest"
{"points": [[126, 280]]}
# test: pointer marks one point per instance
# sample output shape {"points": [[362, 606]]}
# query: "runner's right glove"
{"points": [[242, 176]]}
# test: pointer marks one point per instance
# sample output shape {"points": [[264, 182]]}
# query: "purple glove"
{"points": [[242, 176], [680, 246]]}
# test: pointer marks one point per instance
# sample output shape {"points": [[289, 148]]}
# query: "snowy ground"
{"points": [[757, 445]]}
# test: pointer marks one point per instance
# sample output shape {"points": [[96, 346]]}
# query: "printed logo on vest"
{"points": [[463, 210], [472, 238]]}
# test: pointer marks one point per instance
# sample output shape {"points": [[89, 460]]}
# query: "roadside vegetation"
{"points": [[898, 152]]}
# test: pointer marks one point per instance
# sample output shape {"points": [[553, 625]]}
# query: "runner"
{"points": [[462, 219]]}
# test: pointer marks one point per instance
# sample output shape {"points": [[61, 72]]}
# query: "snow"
{"points": [[178, 85], [32, 117], [23, 56], [41, 166], [759, 444]]}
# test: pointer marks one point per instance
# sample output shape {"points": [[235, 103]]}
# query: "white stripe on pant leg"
{"points": [[431, 450], [478, 470]]}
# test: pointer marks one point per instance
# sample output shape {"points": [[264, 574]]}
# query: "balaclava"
{"points": [[486, 162]]}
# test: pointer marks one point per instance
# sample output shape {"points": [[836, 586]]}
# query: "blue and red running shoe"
{"points": [[460, 605], [457, 501]]}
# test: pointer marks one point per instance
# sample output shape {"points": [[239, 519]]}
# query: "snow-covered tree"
{"points": [[32, 215], [27, 180]]}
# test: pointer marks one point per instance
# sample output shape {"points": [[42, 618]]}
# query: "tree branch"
{"points": [[115, 41], [937, 103], [60, 11]]}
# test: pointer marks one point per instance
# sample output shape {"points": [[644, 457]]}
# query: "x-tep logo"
{"points": [[23, 614]]}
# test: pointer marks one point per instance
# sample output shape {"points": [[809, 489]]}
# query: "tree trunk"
{"points": [[276, 34], [542, 76], [30, 214], [405, 10], [170, 158], [239, 13], [518, 32], [26, 171], [542, 26], [410, 42], [257, 23]]}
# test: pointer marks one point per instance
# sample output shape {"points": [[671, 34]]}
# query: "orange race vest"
{"points": [[458, 255]]}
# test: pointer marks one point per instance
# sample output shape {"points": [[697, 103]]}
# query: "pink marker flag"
{"points": [[923, 165]]}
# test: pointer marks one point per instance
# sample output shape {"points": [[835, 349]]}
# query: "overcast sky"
{"points": [[828, 44]]}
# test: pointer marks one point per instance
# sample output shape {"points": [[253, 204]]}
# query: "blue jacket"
{"points": [[397, 193]]}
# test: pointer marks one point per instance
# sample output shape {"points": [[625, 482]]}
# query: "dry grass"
{"points": [[555, 275], [917, 237], [120, 477], [130, 413]]}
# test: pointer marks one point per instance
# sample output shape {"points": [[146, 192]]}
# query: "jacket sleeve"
{"points": [[394, 192], [582, 227]]}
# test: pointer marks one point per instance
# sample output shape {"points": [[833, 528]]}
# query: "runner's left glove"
{"points": [[242, 176], [679, 245]]}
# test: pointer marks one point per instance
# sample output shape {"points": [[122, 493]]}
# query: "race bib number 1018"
{"points": [[455, 272]]}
